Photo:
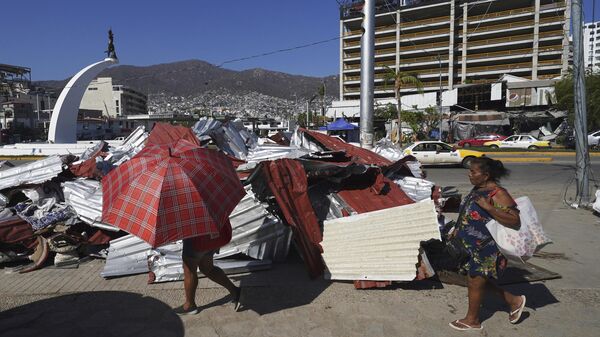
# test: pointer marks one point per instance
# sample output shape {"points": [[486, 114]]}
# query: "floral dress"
{"points": [[486, 259]]}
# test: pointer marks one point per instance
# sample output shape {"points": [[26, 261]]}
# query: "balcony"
{"points": [[515, 38], [512, 25], [403, 25]]}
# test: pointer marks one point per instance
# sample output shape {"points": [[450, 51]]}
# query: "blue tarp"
{"points": [[341, 124]]}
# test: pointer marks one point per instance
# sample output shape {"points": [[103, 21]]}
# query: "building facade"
{"points": [[449, 43], [591, 45], [113, 100]]}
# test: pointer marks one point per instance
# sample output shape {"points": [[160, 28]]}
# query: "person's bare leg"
{"points": [[476, 286], [190, 281], [513, 301], [217, 275]]}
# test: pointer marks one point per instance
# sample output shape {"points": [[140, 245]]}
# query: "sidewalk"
{"points": [[283, 301]]}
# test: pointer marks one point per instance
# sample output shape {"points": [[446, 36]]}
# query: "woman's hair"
{"points": [[494, 168]]}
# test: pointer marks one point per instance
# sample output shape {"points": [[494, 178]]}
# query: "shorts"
{"points": [[190, 252]]}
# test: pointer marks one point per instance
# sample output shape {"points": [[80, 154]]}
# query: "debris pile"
{"points": [[298, 187]]}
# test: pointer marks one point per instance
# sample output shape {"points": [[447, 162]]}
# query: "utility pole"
{"points": [[367, 56], [582, 155], [439, 99]]}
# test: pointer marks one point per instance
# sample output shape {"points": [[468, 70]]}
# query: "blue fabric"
{"points": [[26, 212], [341, 124], [486, 259]]}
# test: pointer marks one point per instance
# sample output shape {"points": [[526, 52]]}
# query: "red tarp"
{"points": [[17, 231], [287, 181], [358, 154], [164, 133]]}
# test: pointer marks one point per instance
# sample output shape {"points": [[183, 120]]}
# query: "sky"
{"points": [[57, 38]]}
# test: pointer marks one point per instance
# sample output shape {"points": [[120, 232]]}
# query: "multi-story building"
{"points": [[448, 43], [591, 45], [113, 100]]}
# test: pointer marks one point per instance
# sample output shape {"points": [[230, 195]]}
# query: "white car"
{"points": [[518, 142], [594, 138], [440, 153]]}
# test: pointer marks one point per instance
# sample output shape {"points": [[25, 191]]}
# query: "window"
{"points": [[91, 89], [420, 147], [117, 102], [512, 139]]}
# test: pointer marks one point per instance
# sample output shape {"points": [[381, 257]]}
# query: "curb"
{"points": [[525, 160], [22, 157], [557, 154]]}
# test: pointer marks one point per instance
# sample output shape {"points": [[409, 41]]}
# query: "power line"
{"points": [[280, 51]]}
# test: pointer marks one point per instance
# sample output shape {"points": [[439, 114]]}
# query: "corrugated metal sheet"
{"points": [[272, 152], [126, 256], [35, 172], [255, 233], [363, 156], [85, 196], [380, 245]]}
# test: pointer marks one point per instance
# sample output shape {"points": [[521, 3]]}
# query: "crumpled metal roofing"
{"points": [[35, 172], [379, 245], [133, 144], [272, 152], [164, 133], [85, 196], [226, 135], [363, 156]]}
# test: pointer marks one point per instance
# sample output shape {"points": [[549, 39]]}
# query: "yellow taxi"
{"points": [[440, 153]]}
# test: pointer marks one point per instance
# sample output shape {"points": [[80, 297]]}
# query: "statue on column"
{"points": [[111, 53]]}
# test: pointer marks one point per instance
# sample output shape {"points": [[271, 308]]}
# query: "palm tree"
{"points": [[400, 79]]}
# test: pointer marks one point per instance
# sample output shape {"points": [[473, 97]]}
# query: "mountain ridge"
{"points": [[195, 77]]}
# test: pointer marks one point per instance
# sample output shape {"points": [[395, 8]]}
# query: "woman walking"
{"points": [[486, 201]]}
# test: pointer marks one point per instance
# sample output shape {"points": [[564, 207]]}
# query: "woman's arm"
{"points": [[507, 215]]}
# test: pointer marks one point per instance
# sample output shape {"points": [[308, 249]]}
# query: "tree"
{"points": [[564, 96], [386, 112], [401, 79]]}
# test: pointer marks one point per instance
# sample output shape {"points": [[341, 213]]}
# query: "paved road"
{"points": [[285, 302]]}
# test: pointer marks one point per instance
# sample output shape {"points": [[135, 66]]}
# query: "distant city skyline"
{"points": [[58, 38]]}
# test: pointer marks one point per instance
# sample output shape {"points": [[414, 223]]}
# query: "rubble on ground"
{"points": [[51, 209]]}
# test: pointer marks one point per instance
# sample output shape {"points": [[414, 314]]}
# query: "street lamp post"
{"points": [[439, 99]]}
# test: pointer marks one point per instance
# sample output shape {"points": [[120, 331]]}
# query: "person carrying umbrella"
{"points": [[175, 190], [198, 253]]}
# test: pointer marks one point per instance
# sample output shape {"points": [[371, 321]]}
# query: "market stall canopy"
{"points": [[340, 124]]}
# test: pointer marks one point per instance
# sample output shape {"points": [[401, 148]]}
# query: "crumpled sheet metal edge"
{"points": [[35, 172]]}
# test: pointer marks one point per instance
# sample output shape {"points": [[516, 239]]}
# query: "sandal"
{"points": [[182, 312], [237, 300], [517, 311], [458, 325]]}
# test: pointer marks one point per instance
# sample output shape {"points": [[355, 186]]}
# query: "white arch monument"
{"points": [[63, 124]]}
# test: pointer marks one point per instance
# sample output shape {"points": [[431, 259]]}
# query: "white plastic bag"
{"points": [[596, 205], [522, 243]]}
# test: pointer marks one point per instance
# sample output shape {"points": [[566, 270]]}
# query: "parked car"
{"points": [[594, 138], [440, 153], [519, 142], [479, 140]]}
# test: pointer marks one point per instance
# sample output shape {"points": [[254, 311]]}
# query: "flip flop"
{"points": [[458, 325], [518, 311], [237, 301], [180, 311]]}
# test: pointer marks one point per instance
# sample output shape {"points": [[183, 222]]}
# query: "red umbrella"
{"points": [[170, 192]]}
